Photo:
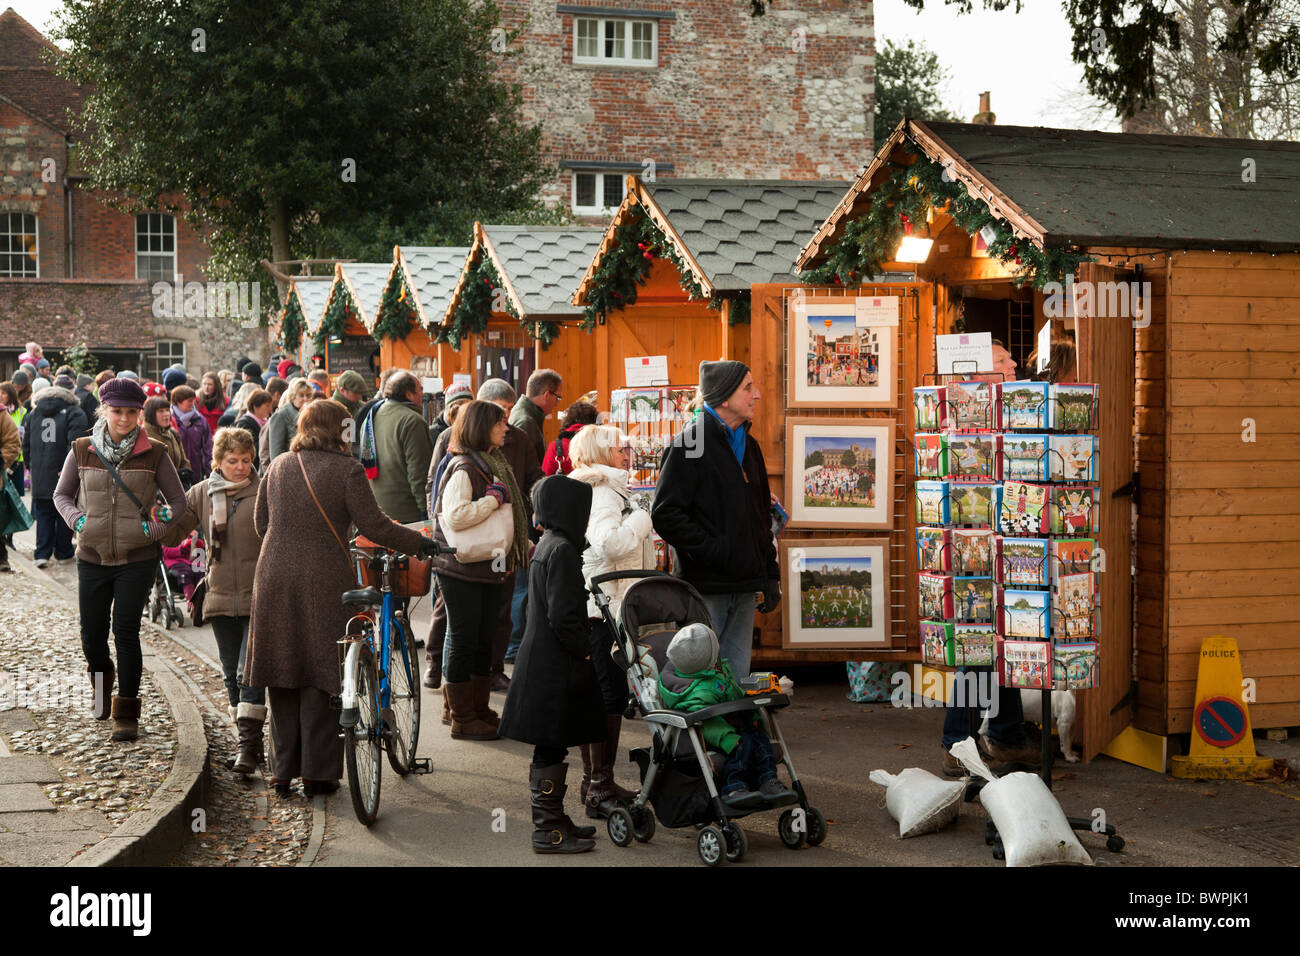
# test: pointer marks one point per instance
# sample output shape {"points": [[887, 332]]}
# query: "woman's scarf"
{"points": [[503, 473], [223, 506], [115, 451]]}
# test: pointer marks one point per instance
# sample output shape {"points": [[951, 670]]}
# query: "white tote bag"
{"points": [[490, 538]]}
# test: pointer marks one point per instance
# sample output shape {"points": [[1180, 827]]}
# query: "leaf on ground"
{"points": [[902, 746]]}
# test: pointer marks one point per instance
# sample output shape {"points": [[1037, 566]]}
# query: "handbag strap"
{"points": [[120, 483], [346, 553]]}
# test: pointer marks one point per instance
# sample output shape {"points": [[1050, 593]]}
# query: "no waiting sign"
{"points": [[1220, 721]]}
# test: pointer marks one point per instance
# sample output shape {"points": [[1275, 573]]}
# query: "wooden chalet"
{"points": [[417, 292]]}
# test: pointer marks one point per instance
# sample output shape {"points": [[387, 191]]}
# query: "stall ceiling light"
{"points": [[913, 249]]}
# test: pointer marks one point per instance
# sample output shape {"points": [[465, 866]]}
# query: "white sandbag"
{"points": [[920, 801], [1029, 819]]}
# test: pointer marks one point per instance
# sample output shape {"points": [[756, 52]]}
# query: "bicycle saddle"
{"points": [[363, 596]]}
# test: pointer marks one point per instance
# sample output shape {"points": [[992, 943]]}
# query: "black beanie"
{"points": [[718, 380]]}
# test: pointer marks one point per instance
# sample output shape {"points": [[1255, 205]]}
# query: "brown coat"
{"points": [[302, 572], [230, 576], [168, 437], [10, 444]]}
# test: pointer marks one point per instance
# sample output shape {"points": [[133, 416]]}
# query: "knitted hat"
{"points": [[127, 373], [253, 369], [719, 380], [284, 366], [39, 383], [42, 363], [65, 381], [21, 379], [122, 393], [352, 381], [154, 389], [84, 381], [173, 377], [30, 369], [694, 648], [243, 360], [460, 392]]}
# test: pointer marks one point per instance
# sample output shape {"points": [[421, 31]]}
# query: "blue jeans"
{"points": [[232, 646], [517, 608], [733, 622], [1004, 727], [53, 536], [750, 764]]}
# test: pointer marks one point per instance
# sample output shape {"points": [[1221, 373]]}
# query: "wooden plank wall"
{"points": [[1234, 519], [768, 360]]}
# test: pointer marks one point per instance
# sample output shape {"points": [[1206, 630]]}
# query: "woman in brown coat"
{"points": [[221, 507], [307, 502]]}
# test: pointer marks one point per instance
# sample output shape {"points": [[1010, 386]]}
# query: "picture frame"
{"points": [[828, 604], [829, 345], [846, 493]]}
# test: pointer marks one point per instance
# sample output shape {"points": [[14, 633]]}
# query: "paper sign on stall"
{"points": [[431, 386], [1044, 345], [875, 310], [973, 349], [462, 378], [643, 370]]}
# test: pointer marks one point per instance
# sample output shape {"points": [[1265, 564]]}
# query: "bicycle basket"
{"points": [[411, 576]]}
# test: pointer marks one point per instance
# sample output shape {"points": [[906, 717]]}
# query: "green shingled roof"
{"points": [[433, 272], [1093, 188], [544, 264], [745, 231]]}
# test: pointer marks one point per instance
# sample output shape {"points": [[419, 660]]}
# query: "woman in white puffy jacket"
{"points": [[618, 539]]}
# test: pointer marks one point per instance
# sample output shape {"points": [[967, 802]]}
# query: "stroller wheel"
{"points": [[155, 608], [737, 842], [816, 827], [643, 824], [791, 835], [711, 845], [619, 827]]}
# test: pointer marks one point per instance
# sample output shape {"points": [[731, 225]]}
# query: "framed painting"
{"points": [[839, 472], [842, 354], [836, 593]]}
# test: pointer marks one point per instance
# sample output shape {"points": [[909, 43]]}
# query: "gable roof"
{"points": [[27, 76], [313, 295], [432, 273], [1088, 188], [365, 282], [733, 233]]}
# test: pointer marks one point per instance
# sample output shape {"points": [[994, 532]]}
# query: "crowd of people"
{"points": [[266, 467]]}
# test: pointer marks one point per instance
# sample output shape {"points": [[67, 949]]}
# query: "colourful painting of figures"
{"points": [[1072, 605], [1024, 404], [1024, 664], [1073, 458], [839, 472], [970, 406], [835, 592], [970, 457], [1074, 665], [935, 596], [972, 504], [1072, 556], [936, 642], [1026, 613], [932, 502], [1073, 406], [973, 644], [931, 455], [926, 403], [972, 552], [1024, 457], [1024, 561], [933, 549], [1074, 510], [972, 600], [841, 352], [1022, 509]]}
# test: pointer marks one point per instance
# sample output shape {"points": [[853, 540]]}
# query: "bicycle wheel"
{"points": [[361, 742], [403, 732]]}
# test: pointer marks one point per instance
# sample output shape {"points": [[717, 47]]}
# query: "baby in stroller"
{"points": [[185, 564], [694, 678]]}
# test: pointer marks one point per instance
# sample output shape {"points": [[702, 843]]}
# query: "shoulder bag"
{"points": [[491, 537], [14, 516], [346, 553]]}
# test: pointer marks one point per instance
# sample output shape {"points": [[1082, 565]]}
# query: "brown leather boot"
{"points": [[250, 719], [604, 794], [483, 699], [446, 708], [553, 831], [465, 723], [101, 694], [433, 668], [126, 718]]}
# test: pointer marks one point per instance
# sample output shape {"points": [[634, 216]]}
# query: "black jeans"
{"points": [[548, 756], [53, 536], [750, 763], [472, 608], [232, 644], [119, 592], [613, 682]]}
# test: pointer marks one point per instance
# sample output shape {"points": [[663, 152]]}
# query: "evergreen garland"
{"points": [[335, 319], [396, 314], [475, 304], [903, 199], [292, 325], [637, 243], [739, 308]]}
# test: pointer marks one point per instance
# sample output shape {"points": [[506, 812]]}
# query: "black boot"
{"points": [[605, 795], [250, 719], [553, 831]]}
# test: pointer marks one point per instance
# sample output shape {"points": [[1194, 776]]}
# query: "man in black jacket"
{"points": [[713, 505]]}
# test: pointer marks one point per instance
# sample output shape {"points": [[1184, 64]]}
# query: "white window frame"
{"points": [[36, 232], [165, 217], [598, 209], [626, 60], [156, 359]]}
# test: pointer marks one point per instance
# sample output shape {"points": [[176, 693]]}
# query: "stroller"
{"points": [[678, 776], [179, 571]]}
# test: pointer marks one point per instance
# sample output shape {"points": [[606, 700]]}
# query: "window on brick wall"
{"points": [[596, 194], [165, 355], [19, 252], [155, 246], [615, 42]]}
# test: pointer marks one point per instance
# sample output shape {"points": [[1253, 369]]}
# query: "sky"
{"points": [[820, 443], [1022, 59], [841, 325]]}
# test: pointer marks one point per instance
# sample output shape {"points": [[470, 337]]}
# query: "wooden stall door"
{"points": [[1107, 350]]}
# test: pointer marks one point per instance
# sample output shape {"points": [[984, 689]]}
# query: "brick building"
{"points": [[696, 87], [72, 268]]}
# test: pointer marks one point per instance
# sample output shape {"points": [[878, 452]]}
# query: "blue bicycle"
{"points": [[380, 701]]}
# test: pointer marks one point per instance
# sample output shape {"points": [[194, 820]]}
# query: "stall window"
{"points": [[609, 42], [596, 194], [19, 246], [155, 246]]}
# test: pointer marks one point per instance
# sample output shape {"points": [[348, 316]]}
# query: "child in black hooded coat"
{"points": [[554, 700]]}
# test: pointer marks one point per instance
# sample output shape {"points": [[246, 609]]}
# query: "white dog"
{"points": [[1031, 702]]}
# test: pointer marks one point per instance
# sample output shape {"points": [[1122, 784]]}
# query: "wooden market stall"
{"points": [[342, 337], [414, 299], [513, 291], [1196, 371], [301, 315]]}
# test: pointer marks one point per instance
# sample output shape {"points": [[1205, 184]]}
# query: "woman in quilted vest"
{"points": [[117, 540]]}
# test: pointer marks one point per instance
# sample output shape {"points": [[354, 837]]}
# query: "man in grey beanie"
{"points": [[713, 504]]}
